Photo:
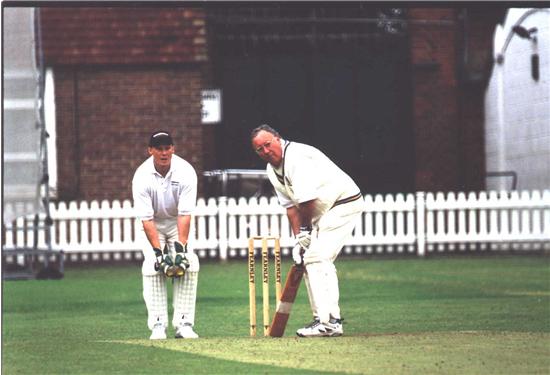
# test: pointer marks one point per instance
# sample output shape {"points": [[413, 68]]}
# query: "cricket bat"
{"points": [[292, 283]]}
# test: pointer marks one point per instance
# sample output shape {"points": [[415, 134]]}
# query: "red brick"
{"points": [[123, 35], [117, 111]]}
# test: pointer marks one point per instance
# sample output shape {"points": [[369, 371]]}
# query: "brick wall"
{"points": [[120, 74], [115, 111], [122, 35], [435, 111], [451, 61]]}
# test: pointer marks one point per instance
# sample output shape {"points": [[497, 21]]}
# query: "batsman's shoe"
{"points": [[158, 332], [313, 329], [334, 328], [185, 331]]}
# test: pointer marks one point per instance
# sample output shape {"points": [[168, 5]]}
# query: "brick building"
{"points": [[394, 95]]}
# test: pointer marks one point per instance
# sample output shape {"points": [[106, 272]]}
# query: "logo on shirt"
{"points": [[175, 187]]}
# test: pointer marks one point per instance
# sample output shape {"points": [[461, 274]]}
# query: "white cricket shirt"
{"points": [[157, 197], [306, 174]]}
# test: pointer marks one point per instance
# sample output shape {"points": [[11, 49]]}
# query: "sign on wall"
{"points": [[211, 106]]}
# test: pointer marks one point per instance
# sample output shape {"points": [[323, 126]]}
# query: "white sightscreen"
{"points": [[21, 129], [517, 107]]}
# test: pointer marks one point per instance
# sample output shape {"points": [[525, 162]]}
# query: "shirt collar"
{"points": [[283, 146], [280, 168]]}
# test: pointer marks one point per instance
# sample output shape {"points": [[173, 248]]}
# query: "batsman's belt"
{"points": [[347, 200]]}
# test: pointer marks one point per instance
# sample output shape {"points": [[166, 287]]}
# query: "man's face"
{"points": [[268, 147], [162, 155]]}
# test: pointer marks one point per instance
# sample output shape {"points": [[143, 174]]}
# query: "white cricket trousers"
{"points": [[154, 282], [329, 236]]}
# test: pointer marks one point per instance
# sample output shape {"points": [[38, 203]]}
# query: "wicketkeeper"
{"points": [[164, 189], [323, 205]]}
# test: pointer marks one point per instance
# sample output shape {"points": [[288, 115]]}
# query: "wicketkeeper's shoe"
{"points": [[334, 327], [185, 331], [313, 329], [158, 332]]}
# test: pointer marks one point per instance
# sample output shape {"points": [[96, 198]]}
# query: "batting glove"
{"points": [[181, 261], [303, 238], [298, 254]]}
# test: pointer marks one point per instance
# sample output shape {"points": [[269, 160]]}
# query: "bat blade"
{"points": [[288, 296]]}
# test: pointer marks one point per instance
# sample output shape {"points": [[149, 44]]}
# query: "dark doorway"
{"points": [[347, 94]]}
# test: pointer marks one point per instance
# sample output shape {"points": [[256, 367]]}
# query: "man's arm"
{"points": [[300, 216], [294, 219], [184, 223], [151, 233]]}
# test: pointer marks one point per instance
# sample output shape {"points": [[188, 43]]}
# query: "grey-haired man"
{"points": [[323, 205]]}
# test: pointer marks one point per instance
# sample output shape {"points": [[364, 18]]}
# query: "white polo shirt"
{"points": [[157, 197], [306, 174]]}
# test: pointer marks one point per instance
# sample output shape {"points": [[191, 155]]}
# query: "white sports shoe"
{"points": [[334, 328], [185, 331], [313, 329], [158, 332], [317, 329]]}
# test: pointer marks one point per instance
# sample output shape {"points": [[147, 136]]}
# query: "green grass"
{"points": [[479, 315]]}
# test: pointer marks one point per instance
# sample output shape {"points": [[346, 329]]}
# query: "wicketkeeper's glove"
{"points": [[169, 268], [159, 258], [181, 261], [164, 263], [304, 237]]}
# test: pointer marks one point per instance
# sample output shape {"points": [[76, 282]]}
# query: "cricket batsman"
{"points": [[323, 204], [164, 190]]}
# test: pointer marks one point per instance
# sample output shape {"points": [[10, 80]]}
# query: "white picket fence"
{"points": [[420, 224]]}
